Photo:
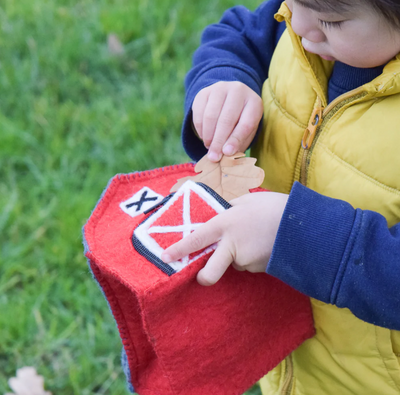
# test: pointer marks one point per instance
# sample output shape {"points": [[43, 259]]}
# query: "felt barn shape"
{"points": [[179, 337]]}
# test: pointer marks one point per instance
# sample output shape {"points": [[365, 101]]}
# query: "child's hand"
{"points": [[245, 234], [226, 116]]}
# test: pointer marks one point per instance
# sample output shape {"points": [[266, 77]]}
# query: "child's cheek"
{"points": [[289, 3]]}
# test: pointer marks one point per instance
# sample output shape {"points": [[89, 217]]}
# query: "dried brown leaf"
{"points": [[115, 46], [27, 382], [231, 177]]}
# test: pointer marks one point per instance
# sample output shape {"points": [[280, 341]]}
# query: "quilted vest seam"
{"points": [[355, 170], [284, 112], [394, 382]]}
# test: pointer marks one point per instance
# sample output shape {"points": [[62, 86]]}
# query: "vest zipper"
{"points": [[309, 136], [318, 119], [288, 380]]}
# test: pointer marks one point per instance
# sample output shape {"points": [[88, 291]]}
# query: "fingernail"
{"points": [[214, 157], [228, 149], [166, 258]]}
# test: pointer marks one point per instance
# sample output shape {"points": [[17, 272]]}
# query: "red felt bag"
{"points": [[181, 338]]}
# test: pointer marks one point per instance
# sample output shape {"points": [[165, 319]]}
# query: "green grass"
{"points": [[72, 116]]}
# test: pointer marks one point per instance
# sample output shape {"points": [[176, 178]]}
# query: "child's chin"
{"points": [[330, 58]]}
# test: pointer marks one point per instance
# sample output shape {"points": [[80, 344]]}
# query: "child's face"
{"points": [[357, 36]]}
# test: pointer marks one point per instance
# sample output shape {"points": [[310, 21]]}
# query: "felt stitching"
{"points": [[157, 205], [118, 315], [151, 244], [127, 178], [114, 182], [163, 369], [146, 246], [215, 195], [136, 205], [146, 253], [141, 232], [187, 221], [119, 181], [143, 199], [185, 229], [97, 213], [160, 358]]}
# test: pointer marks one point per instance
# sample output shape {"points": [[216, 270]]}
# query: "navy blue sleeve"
{"points": [[332, 252], [238, 48]]}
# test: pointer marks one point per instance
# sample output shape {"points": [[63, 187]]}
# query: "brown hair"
{"points": [[389, 9]]}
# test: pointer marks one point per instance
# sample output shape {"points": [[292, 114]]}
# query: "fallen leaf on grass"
{"points": [[231, 177], [27, 382], [115, 47]]}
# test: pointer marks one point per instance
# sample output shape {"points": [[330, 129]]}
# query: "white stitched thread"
{"points": [[186, 220], [174, 229], [186, 213], [144, 230]]}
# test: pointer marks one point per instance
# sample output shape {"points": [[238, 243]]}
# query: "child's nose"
{"points": [[315, 36], [306, 27]]}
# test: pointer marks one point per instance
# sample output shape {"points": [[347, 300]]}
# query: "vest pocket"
{"points": [[388, 345]]}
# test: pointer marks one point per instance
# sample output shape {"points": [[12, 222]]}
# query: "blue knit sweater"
{"points": [[325, 248]]}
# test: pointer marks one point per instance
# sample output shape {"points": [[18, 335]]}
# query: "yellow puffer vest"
{"points": [[351, 152]]}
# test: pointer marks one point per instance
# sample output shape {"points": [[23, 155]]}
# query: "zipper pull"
{"points": [[315, 121]]}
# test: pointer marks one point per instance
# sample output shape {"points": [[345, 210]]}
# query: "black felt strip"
{"points": [[142, 250], [215, 195], [159, 204], [143, 199]]}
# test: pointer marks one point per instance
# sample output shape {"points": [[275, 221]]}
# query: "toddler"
{"points": [[317, 91]]}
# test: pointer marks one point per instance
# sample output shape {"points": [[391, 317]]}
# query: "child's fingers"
{"points": [[211, 114], [238, 268], [198, 108], [245, 129], [227, 121], [202, 237], [216, 266]]}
